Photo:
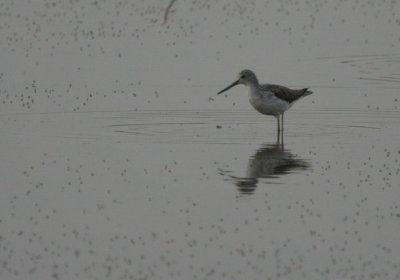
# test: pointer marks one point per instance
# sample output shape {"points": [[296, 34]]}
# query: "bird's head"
{"points": [[245, 77]]}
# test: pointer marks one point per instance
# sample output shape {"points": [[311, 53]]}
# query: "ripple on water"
{"points": [[221, 127]]}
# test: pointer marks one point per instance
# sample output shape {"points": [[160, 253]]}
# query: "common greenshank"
{"points": [[269, 99]]}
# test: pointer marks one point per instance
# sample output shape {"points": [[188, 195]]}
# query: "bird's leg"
{"points": [[282, 130], [279, 129]]}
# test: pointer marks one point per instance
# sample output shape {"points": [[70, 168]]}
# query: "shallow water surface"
{"points": [[151, 193], [118, 160]]}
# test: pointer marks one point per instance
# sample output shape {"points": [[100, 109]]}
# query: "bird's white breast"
{"points": [[266, 103]]}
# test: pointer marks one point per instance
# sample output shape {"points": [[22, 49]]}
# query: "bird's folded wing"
{"points": [[284, 93]]}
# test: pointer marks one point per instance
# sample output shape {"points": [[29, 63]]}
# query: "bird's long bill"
{"points": [[228, 87]]}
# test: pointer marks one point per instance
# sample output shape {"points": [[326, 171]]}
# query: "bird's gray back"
{"points": [[285, 93]]}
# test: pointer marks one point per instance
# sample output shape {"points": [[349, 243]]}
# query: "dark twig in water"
{"points": [[167, 10]]}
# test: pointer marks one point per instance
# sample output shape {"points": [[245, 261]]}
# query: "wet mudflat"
{"points": [[118, 161]]}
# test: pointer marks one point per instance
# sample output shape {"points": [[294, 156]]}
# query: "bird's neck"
{"points": [[253, 86]]}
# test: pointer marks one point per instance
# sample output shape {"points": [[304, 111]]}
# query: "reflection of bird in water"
{"points": [[269, 161]]}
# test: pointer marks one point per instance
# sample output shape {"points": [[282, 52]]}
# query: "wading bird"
{"points": [[269, 99]]}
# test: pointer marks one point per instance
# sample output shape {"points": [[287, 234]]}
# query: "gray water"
{"points": [[118, 160]]}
